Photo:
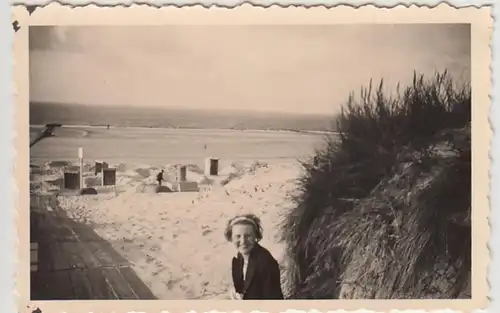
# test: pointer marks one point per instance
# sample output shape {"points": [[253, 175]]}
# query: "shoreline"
{"points": [[313, 132]]}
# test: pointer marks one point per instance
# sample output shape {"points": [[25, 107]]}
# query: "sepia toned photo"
{"points": [[284, 160]]}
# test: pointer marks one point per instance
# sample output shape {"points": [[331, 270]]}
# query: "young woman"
{"points": [[256, 273]]}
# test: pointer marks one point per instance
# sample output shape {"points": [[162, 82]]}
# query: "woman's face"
{"points": [[243, 238]]}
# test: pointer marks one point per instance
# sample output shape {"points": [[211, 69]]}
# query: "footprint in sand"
{"points": [[149, 259], [171, 283], [155, 273]]}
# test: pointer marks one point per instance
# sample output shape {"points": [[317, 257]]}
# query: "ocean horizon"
{"points": [[160, 146], [76, 115]]}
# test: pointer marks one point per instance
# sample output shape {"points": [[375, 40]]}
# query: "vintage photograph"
{"points": [[250, 162], [253, 161]]}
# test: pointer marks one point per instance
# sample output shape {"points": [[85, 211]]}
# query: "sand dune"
{"points": [[175, 240]]}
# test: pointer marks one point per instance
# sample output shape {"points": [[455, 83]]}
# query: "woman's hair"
{"points": [[245, 219]]}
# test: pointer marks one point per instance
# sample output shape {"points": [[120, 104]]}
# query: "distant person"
{"points": [[256, 274], [205, 147], [108, 126], [159, 177]]}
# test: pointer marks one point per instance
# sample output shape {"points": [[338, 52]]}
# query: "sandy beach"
{"points": [[175, 240]]}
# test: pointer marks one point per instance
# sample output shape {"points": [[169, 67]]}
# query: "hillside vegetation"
{"points": [[385, 211]]}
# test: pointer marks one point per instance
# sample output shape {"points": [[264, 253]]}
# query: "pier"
{"points": [[69, 261]]}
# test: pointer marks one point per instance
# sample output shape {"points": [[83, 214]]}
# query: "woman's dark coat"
{"points": [[262, 276]]}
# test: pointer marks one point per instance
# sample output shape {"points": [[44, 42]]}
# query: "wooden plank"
{"points": [[106, 255], [35, 220], [44, 257], [81, 284], [119, 284], [61, 287], [33, 227], [100, 254], [74, 254], [33, 256], [84, 232], [97, 249], [33, 291], [140, 289], [45, 218], [100, 287], [63, 233], [60, 257], [59, 211], [43, 231], [34, 204], [51, 286], [80, 231], [38, 286], [64, 225], [118, 259], [86, 255], [53, 228]]}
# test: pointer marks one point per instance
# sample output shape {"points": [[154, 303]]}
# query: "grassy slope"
{"points": [[388, 205]]}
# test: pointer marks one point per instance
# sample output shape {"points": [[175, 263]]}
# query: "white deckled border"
{"points": [[481, 22]]}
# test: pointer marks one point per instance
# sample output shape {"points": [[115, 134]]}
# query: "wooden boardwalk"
{"points": [[73, 262]]}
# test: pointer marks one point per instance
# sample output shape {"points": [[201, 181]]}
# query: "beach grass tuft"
{"points": [[384, 210]]}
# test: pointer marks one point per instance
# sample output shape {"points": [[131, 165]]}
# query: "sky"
{"points": [[289, 68]]}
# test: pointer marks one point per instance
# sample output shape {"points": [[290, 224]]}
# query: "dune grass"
{"points": [[384, 211]]}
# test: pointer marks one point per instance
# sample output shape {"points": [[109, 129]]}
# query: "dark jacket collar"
{"points": [[251, 267]]}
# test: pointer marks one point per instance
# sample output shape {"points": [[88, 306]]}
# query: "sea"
{"points": [[156, 136]]}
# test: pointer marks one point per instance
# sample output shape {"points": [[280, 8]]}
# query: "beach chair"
{"points": [[71, 180], [211, 166], [109, 176], [186, 186]]}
